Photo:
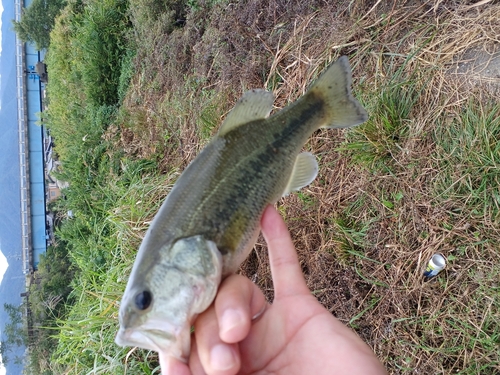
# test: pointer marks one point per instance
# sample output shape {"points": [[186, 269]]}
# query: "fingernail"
{"points": [[222, 357]]}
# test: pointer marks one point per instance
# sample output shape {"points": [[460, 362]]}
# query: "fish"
{"points": [[210, 220]]}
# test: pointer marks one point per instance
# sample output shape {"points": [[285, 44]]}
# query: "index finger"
{"points": [[285, 267]]}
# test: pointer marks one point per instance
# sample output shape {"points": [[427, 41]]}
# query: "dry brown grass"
{"points": [[363, 234]]}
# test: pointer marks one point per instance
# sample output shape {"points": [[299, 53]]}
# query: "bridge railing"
{"points": [[23, 148]]}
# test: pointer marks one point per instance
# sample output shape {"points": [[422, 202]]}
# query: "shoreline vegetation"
{"points": [[138, 87]]}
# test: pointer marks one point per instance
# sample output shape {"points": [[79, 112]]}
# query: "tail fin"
{"points": [[334, 87]]}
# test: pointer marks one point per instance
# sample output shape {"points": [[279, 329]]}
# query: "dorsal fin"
{"points": [[304, 172], [253, 105]]}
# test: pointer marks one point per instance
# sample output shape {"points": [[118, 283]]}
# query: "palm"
{"points": [[284, 334]]}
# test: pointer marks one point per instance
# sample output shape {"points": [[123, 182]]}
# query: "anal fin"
{"points": [[304, 172]]}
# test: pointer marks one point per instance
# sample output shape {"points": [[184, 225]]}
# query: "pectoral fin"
{"points": [[253, 105], [304, 172]]}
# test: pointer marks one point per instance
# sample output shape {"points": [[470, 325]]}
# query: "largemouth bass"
{"points": [[210, 220]]}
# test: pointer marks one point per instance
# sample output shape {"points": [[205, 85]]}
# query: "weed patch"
{"points": [[469, 157], [379, 143]]}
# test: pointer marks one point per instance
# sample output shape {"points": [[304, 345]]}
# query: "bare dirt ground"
{"points": [[479, 67]]}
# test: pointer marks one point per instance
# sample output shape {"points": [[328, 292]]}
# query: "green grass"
{"points": [[450, 166], [349, 237], [128, 108], [103, 254], [469, 159], [461, 331], [210, 117], [379, 143], [85, 64]]}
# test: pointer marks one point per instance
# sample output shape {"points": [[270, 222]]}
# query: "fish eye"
{"points": [[143, 300]]}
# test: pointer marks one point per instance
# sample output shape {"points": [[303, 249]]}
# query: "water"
{"points": [[13, 282]]}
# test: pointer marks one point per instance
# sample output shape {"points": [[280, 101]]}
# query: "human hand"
{"points": [[242, 334]]}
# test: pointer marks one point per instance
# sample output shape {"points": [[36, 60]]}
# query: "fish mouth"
{"points": [[151, 336]]}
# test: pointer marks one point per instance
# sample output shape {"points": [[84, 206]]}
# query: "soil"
{"points": [[480, 68]]}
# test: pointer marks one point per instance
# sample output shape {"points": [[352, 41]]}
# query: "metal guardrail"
{"points": [[23, 148]]}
